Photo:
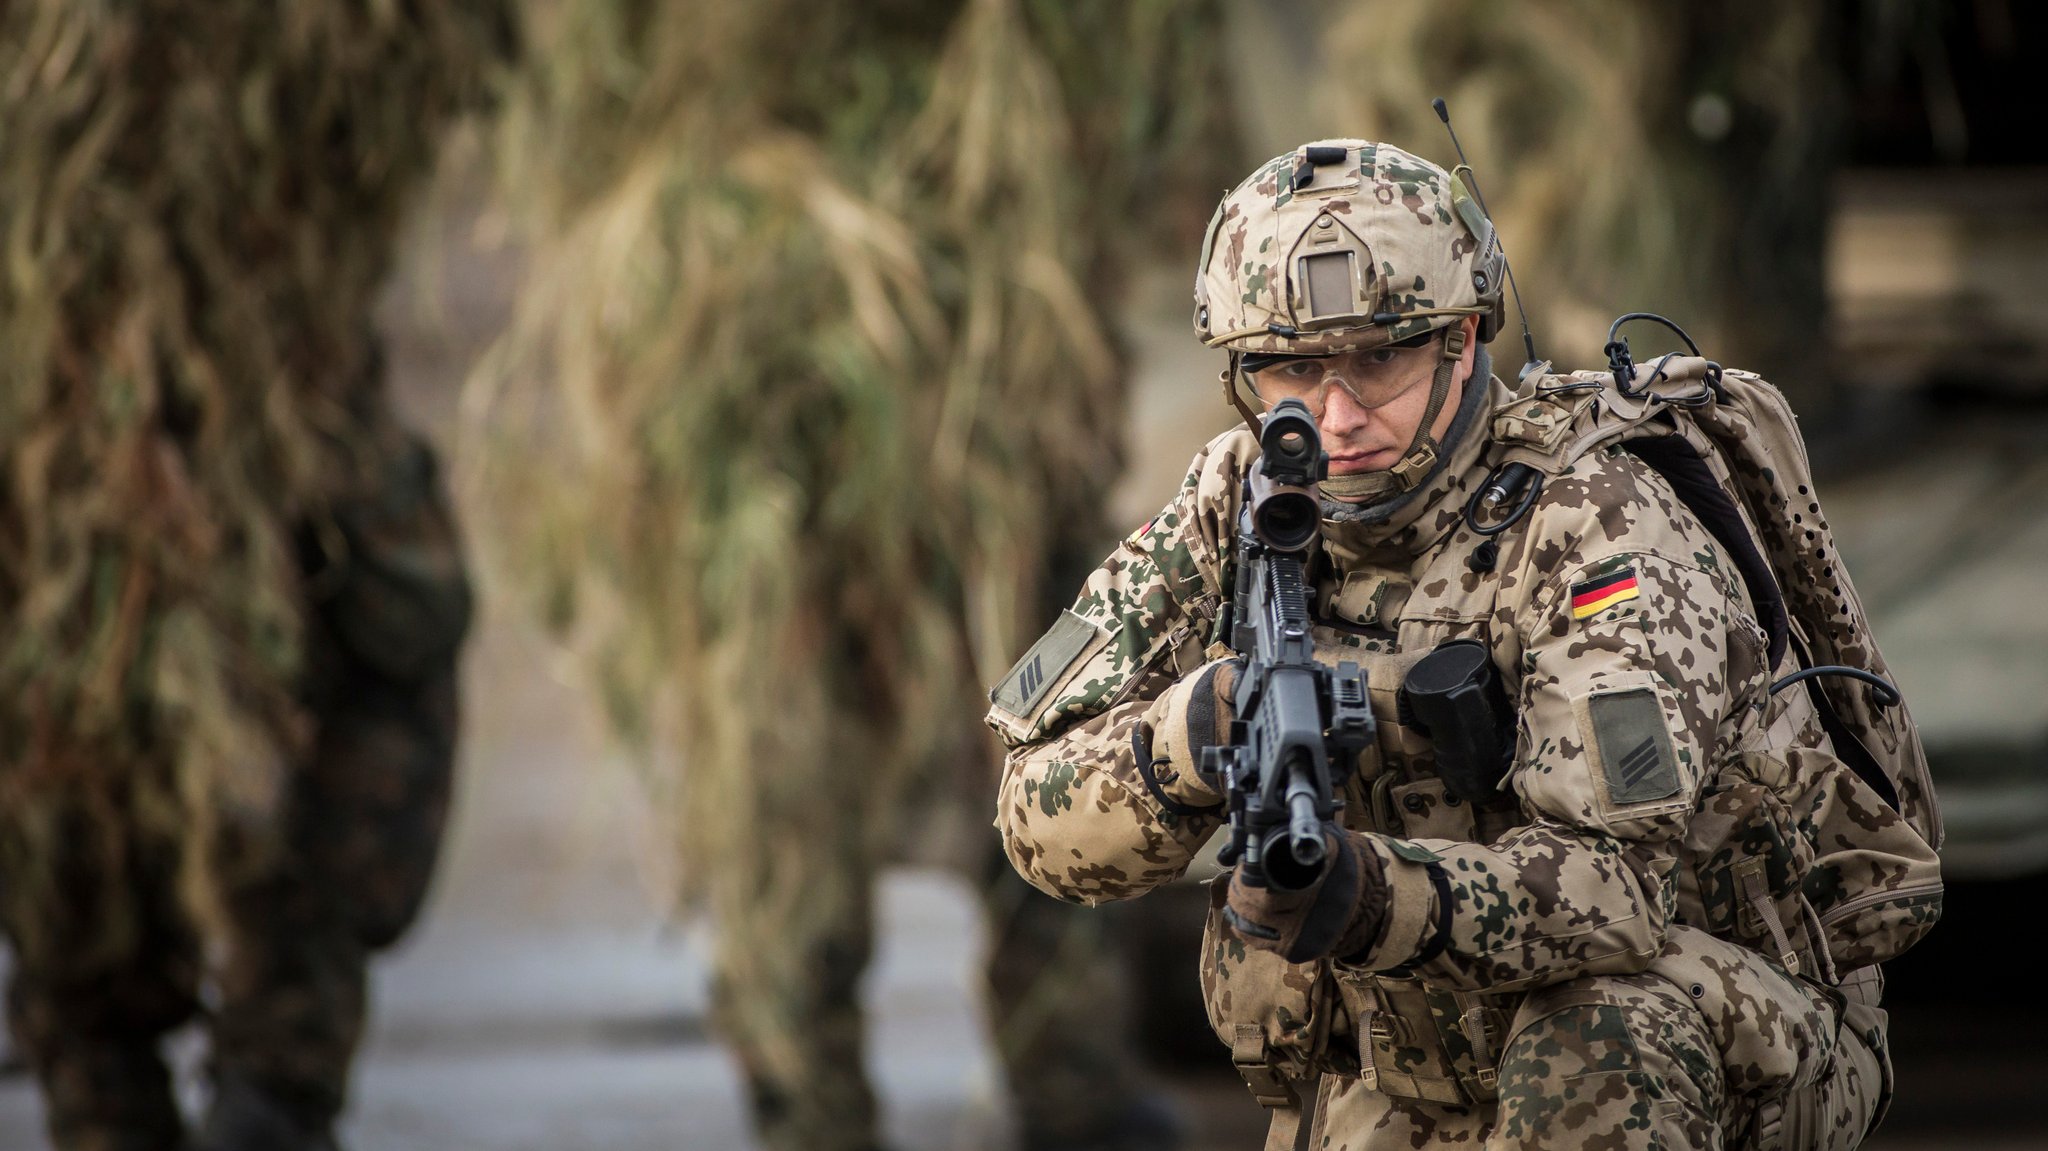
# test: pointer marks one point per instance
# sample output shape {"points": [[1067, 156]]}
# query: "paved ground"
{"points": [[545, 1004]]}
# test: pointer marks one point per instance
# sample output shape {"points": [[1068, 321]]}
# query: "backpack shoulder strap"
{"points": [[1682, 466]]}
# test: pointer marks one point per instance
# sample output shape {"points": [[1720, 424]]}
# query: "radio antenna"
{"points": [[1443, 112]]}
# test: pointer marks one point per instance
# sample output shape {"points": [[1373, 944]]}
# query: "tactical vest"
{"points": [[1821, 857], [1289, 1022]]}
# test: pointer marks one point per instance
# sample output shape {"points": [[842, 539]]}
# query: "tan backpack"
{"points": [[1840, 849], [1824, 860]]}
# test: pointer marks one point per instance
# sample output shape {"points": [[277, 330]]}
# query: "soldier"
{"points": [[1655, 919], [364, 814], [815, 398], [304, 901], [232, 594]]}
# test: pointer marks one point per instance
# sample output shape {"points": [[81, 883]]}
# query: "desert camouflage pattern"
{"points": [[1675, 848], [1253, 293], [1779, 1064], [1838, 857]]}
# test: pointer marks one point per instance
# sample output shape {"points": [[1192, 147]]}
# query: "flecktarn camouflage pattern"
{"points": [[1663, 933], [1286, 266]]}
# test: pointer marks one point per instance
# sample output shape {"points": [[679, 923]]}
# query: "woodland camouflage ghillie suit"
{"points": [[229, 592], [815, 339]]}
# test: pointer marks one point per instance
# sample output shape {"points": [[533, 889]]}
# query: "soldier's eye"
{"points": [[1302, 370], [1379, 356]]}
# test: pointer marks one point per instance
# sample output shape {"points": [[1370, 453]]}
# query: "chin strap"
{"points": [[1251, 418], [1421, 457]]}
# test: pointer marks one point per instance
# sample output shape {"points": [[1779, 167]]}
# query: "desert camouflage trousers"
{"points": [[1712, 1048], [107, 955], [787, 1001]]}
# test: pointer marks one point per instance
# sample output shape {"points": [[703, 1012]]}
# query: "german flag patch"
{"points": [[1597, 595]]}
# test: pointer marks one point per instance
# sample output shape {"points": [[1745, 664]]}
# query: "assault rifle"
{"points": [[1299, 725]]}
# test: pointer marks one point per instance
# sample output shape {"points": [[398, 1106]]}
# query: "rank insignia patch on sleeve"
{"points": [[1635, 745], [1597, 595], [1057, 650]]}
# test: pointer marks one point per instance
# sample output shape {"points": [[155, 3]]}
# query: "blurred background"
{"points": [[786, 365]]}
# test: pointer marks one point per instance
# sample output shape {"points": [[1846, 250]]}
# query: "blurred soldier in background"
{"points": [[230, 587], [815, 338]]}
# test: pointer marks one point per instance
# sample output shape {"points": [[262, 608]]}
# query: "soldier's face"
{"points": [[1372, 437]]}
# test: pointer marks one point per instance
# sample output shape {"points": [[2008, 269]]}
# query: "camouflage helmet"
{"points": [[1347, 245], [1342, 245]]}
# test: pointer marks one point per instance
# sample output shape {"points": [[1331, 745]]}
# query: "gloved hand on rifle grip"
{"points": [[1339, 912], [1193, 715]]}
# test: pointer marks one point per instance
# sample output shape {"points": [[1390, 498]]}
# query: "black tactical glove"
{"points": [[1193, 715], [1339, 912]]}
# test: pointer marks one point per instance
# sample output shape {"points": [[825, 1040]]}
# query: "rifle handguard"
{"points": [[1298, 724]]}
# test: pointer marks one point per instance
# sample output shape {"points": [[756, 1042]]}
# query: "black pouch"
{"points": [[1454, 696], [389, 579]]}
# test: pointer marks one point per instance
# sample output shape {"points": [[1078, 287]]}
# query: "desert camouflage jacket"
{"points": [[1621, 630]]}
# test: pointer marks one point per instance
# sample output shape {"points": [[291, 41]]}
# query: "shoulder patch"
{"points": [[1044, 665], [1602, 592], [1143, 531], [1635, 746]]}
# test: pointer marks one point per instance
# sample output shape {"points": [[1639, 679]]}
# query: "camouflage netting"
{"points": [[1635, 157], [815, 356], [197, 202]]}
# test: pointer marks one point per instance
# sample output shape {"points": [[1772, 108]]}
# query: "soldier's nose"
{"points": [[1341, 413]]}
